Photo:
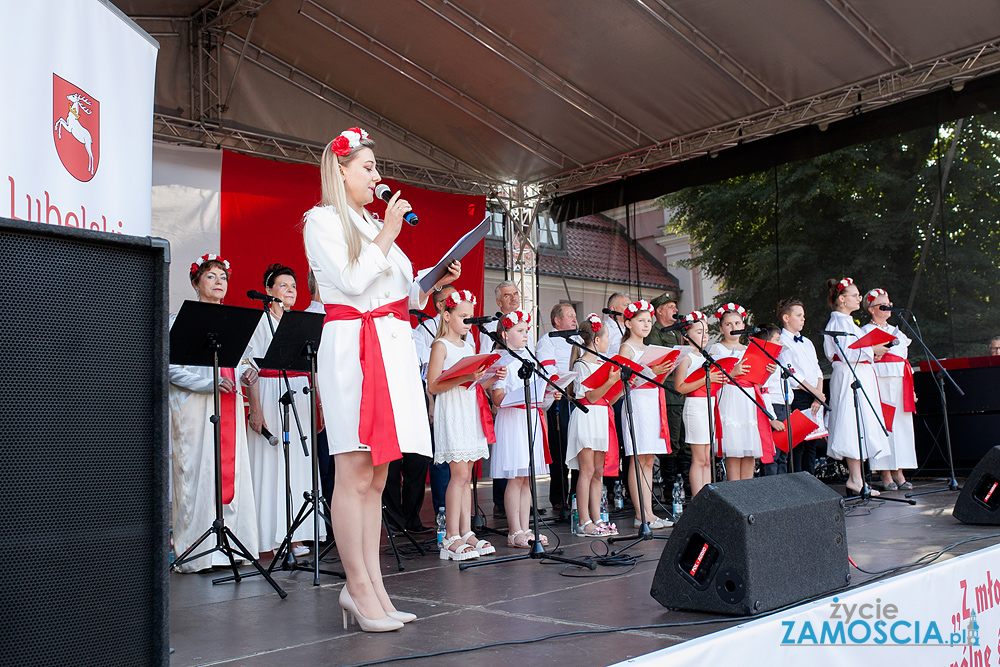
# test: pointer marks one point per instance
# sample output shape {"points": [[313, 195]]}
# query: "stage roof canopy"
{"points": [[562, 94]]}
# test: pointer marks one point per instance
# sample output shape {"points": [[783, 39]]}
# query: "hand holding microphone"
{"points": [[383, 192]]}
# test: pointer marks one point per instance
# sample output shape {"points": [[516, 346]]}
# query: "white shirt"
{"points": [[423, 339], [614, 333], [800, 358], [316, 307], [486, 343], [553, 353]]}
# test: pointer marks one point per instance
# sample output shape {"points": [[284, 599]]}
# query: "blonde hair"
{"points": [[334, 194]]}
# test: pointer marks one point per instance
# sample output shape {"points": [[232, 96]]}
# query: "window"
{"points": [[497, 219], [549, 231]]}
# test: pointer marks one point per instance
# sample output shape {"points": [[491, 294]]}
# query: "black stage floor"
{"points": [[247, 624]]}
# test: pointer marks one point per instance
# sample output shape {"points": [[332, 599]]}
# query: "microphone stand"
{"points": [[940, 376], [865, 493], [535, 550], [785, 374], [645, 532]]}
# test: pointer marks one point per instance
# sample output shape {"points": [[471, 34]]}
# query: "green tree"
{"points": [[865, 212]]}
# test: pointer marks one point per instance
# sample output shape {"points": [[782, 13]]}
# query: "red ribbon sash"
{"points": [[545, 433], [227, 422], [611, 458], [377, 428], [662, 398], [909, 405], [485, 415]]}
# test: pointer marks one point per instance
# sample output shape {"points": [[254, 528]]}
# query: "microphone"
{"points": [[479, 321], [835, 333], [383, 192], [260, 296], [749, 331], [420, 315], [894, 341], [271, 439], [677, 315], [569, 333], [673, 327], [890, 309], [608, 311]]}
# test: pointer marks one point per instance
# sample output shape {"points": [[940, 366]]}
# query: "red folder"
{"points": [[874, 337], [728, 363], [758, 361], [801, 427], [888, 412], [469, 365], [600, 376]]}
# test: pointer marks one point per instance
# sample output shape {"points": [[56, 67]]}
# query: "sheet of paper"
{"points": [[461, 248], [516, 397]]}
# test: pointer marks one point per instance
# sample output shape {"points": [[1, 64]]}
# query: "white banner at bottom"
{"points": [[942, 615]]}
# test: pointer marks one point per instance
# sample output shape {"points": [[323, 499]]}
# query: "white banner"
{"points": [[946, 614], [77, 116]]}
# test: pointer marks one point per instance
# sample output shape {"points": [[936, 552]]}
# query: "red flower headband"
{"points": [[209, 257], [844, 283], [348, 140], [694, 316], [874, 294], [457, 297], [595, 322], [633, 308], [515, 317], [730, 308]]}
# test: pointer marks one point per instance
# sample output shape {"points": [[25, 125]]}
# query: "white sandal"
{"points": [[482, 547], [463, 552], [518, 539], [598, 530]]}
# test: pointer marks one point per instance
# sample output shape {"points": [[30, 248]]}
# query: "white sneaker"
{"points": [[300, 550], [658, 523]]}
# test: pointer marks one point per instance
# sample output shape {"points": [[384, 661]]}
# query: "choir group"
{"points": [[370, 395]]}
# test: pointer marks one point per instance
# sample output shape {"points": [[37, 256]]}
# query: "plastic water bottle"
{"points": [[604, 505], [678, 508], [441, 529], [619, 497], [574, 515]]}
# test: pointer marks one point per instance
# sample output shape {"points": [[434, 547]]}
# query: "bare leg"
{"points": [[456, 507], [512, 504], [733, 469], [746, 467], [646, 468], [633, 490], [701, 467], [854, 480], [583, 485], [899, 477], [358, 532], [596, 485]]}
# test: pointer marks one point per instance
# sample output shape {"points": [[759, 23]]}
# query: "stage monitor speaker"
{"points": [[979, 501], [83, 447], [746, 547]]}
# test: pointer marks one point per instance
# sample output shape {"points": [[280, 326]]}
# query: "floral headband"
{"points": [[348, 141], [730, 308], [874, 294], [595, 322], [457, 297], [694, 316], [515, 317], [633, 308], [844, 283], [209, 257]]}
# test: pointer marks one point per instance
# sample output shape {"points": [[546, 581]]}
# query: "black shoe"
{"points": [[499, 514]]}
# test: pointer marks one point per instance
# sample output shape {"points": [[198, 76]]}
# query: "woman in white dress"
{"points": [[368, 372], [192, 440], [895, 384], [267, 462], [845, 298]]}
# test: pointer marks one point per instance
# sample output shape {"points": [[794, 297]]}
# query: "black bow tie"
{"points": [[798, 339]]}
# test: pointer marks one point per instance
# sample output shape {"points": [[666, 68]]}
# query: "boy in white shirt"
{"points": [[798, 355]]}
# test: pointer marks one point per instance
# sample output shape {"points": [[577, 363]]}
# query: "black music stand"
{"points": [[293, 348], [209, 334]]}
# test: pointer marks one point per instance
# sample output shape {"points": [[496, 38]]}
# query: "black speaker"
{"points": [[83, 447], [979, 501], [751, 546]]}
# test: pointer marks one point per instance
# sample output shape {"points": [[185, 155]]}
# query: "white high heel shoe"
{"points": [[401, 616], [387, 624]]}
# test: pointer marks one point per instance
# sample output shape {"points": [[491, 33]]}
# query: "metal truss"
{"points": [[904, 83], [210, 134], [520, 204]]}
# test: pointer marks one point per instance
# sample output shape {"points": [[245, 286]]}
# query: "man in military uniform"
{"points": [[679, 461]]}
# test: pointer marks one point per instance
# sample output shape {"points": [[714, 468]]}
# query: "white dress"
{"points": [[373, 281], [695, 410], [267, 463], [646, 411], [192, 459], [510, 454], [458, 429], [902, 454], [737, 414], [586, 430], [843, 439]]}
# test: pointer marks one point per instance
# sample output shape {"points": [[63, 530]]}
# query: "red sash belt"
{"points": [[377, 427], [545, 433], [485, 415], [269, 373], [908, 403], [611, 458], [227, 423], [763, 427]]}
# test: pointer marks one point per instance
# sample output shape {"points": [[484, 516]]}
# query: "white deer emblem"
{"points": [[77, 103]]}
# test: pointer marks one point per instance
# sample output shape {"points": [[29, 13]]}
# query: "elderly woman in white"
{"points": [[368, 372]]}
